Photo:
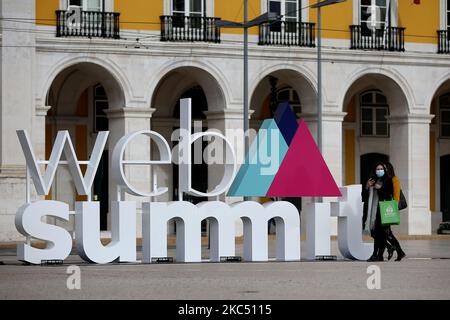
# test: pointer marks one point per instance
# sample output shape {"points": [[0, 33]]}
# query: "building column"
{"points": [[17, 102], [409, 154], [331, 139], [123, 121], [38, 137], [332, 148], [228, 122]]}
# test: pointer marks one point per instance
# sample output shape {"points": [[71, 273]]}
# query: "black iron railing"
{"points": [[189, 28], [390, 39], [443, 41], [286, 33], [88, 24]]}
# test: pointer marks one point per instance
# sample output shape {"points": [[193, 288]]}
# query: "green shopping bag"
{"points": [[389, 212]]}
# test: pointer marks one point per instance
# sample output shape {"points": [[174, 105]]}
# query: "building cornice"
{"points": [[334, 116], [12, 171], [411, 119], [227, 114], [42, 110], [227, 51], [130, 112]]}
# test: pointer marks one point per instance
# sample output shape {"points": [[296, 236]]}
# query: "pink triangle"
{"points": [[303, 172]]}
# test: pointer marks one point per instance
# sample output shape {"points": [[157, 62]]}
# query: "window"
{"points": [[448, 15], [187, 8], [87, 5], [290, 11], [100, 105], [444, 109], [374, 109], [288, 94], [373, 16], [192, 8]]}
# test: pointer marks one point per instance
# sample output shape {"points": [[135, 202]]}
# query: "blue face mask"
{"points": [[380, 173]]}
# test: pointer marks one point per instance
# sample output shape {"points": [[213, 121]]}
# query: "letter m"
{"points": [[62, 144]]}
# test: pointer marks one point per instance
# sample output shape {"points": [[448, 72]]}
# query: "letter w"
{"points": [[62, 144]]}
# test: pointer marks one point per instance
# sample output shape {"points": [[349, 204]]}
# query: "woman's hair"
{"points": [[390, 169], [374, 170]]}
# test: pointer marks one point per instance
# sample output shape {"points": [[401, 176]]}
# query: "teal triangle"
{"points": [[257, 173]]}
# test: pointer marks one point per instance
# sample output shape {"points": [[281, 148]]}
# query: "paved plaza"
{"points": [[424, 274]]}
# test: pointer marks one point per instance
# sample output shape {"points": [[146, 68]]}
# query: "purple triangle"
{"points": [[286, 121]]}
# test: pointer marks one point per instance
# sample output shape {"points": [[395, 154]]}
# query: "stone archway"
{"points": [[406, 142], [439, 152], [79, 98]]}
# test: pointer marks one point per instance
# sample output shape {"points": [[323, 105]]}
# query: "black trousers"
{"points": [[393, 240], [380, 236]]}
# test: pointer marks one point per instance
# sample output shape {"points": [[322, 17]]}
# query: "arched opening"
{"points": [[445, 187], [284, 86], [207, 96], [370, 102], [368, 162], [199, 166], [79, 97], [439, 155]]}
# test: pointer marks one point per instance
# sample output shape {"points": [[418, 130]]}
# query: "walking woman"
{"points": [[392, 242], [380, 188]]}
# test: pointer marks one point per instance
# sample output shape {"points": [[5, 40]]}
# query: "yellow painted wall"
{"points": [[336, 20], [139, 14], [233, 10], [351, 111], [45, 12], [349, 156], [432, 171], [421, 21]]}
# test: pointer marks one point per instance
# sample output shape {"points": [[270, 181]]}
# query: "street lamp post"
{"points": [[319, 5], [246, 102], [266, 17]]}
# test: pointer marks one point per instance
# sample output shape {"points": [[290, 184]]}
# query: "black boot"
{"points": [[390, 249], [373, 257], [400, 255]]}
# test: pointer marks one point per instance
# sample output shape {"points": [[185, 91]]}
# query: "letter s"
{"points": [[28, 222]]}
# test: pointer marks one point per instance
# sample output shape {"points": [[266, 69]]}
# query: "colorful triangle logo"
{"points": [[296, 167], [262, 162]]}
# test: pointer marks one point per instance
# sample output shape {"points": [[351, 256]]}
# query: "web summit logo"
{"points": [[294, 167], [302, 170]]}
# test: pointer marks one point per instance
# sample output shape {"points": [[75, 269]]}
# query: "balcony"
{"points": [[90, 24], [189, 28], [286, 33], [443, 41], [388, 39]]}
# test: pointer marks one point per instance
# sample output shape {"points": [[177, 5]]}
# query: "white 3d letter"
{"points": [[118, 161], [62, 144], [349, 211], [318, 230], [184, 147], [123, 233], [28, 222]]}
